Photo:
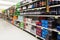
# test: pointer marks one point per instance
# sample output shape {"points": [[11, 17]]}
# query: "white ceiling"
{"points": [[5, 4]]}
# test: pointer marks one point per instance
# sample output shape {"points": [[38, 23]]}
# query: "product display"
{"points": [[21, 25], [58, 36], [40, 18], [38, 31], [33, 30]]}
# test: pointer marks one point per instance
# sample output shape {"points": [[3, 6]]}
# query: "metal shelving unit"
{"points": [[40, 8], [29, 3], [38, 15]]}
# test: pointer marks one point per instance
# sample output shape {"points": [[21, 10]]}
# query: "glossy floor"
{"points": [[10, 32]]}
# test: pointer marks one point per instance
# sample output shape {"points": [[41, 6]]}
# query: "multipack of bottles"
{"points": [[54, 2], [46, 22]]}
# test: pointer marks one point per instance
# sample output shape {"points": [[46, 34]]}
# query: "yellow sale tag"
{"points": [[58, 32], [56, 17]]}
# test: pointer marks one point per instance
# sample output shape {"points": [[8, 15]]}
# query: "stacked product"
{"points": [[58, 35], [39, 4], [30, 6], [58, 10], [27, 24], [10, 13], [44, 31], [34, 5], [51, 24], [54, 2], [42, 3], [17, 12], [21, 9], [20, 20], [21, 25], [38, 29], [33, 28], [24, 7], [55, 10], [58, 28], [14, 19]]}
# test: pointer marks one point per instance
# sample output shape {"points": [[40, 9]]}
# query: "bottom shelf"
{"points": [[28, 31], [34, 35], [38, 37]]}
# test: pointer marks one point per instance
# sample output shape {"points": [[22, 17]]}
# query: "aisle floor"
{"points": [[10, 32]]}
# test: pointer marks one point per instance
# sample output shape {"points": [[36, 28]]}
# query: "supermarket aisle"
{"points": [[10, 32]]}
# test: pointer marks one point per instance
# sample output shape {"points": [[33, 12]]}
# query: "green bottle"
{"points": [[17, 13], [21, 25]]}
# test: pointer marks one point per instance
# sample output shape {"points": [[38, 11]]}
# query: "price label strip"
{"points": [[58, 32]]}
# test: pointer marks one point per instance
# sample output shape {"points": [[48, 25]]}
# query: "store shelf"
{"points": [[42, 15], [36, 1], [29, 3], [32, 33], [35, 13], [44, 27], [34, 9], [55, 5], [35, 35], [27, 31], [41, 8]]}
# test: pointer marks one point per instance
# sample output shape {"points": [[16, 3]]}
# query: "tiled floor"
{"points": [[10, 32]]}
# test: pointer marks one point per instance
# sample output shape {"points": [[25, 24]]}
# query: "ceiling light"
{"points": [[7, 2], [4, 7]]}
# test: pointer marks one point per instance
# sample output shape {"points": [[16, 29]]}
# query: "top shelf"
{"points": [[40, 8], [32, 3], [29, 3]]}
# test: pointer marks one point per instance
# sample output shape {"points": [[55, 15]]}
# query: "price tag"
{"points": [[58, 32], [56, 17]]}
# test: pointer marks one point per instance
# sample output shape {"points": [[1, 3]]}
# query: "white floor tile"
{"points": [[10, 32]]}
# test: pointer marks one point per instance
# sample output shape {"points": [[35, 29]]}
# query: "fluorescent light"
{"points": [[4, 7], [7, 2]]}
